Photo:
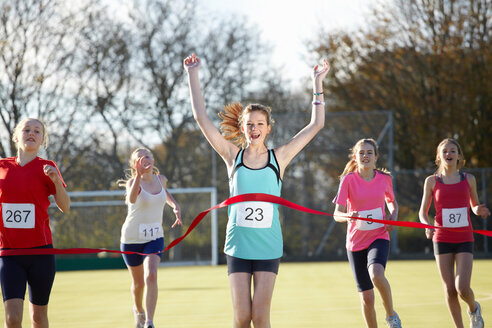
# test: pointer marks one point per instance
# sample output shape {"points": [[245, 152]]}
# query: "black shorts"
{"points": [[38, 271], [235, 264], [446, 248], [360, 261], [151, 247]]}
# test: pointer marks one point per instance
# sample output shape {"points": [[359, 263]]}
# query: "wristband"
{"points": [[317, 102], [318, 93]]}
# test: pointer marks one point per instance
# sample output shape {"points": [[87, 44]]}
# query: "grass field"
{"points": [[306, 295]]}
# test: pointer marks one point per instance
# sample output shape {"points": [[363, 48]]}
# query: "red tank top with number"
{"points": [[452, 204]]}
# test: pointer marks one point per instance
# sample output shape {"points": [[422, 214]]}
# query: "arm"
{"points": [[477, 208], [393, 209], [133, 185], [172, 202], [341, 215], [425, 204], [224, 148], [62, 199], [287, 152]]}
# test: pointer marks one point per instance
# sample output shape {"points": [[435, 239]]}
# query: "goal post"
{"points": [[96, 217]]}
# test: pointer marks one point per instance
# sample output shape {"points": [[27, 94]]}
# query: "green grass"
{"points": [[306, 295]]}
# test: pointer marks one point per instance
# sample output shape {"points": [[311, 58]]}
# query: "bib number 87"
{"points": [[455, 217]]}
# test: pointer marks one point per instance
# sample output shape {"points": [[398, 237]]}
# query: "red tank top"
{"points": [[452, 204]]}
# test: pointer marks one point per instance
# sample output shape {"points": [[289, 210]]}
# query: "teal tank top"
{"points": [[253, 228]]}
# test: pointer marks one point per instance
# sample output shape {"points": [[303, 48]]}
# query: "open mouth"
{"points": [[254, 136]]}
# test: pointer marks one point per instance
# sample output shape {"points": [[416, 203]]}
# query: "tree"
{"points": [[427, 61]]}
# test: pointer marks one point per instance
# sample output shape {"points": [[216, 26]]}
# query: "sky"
{"points": [[286, 24]]}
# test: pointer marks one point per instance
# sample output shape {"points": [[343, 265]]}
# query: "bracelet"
{"points": [[318, 93], [317, 102]]}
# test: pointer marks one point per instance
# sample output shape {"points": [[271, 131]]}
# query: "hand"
{"points": [[320, 73], [353, 213], [141, 168], [389, 227], [51, 172], [177, 213], [429, 233], [192, 63], [482, 211]]}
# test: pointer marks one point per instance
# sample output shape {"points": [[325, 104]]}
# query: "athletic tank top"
{"points": [[253, 228], [143, 222], [452, 204]]}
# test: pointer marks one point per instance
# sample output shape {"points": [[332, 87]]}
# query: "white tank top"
{"points": [[143, 222]]}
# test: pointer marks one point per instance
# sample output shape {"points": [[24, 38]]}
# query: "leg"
{"points": [[39, 315], [151, 263], [264, 283], [464, 264], [137, 288], [368, 310], [376, 271], [445, 264], [13, 312], [240, 283]]}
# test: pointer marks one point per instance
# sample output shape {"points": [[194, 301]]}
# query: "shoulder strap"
{"points": [[237, 164]]}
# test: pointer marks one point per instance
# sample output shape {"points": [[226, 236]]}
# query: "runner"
{"points": [[363, 192], [26, 182], [253, 243], [146, 196], [454, 193]]}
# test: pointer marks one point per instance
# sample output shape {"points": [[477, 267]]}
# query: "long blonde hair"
{"points": [[461, 162], [233, 117], [20, 125], [131, 172], [351, 165]]}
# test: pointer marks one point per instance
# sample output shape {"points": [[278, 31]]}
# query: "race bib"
{"points": [[149, 231], [376, 213], [455, 217], [18, 216], [254, 214]]}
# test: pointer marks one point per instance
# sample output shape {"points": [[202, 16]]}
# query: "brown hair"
{"points": [[461, 162], [233, 117], [20, 125], [131, 172], [351, 165]]}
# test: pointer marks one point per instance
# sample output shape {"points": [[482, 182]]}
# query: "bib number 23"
{"points": [[254, 214], [18, 216]]}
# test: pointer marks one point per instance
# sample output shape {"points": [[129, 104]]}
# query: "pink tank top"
{"points": [[452, 204]]}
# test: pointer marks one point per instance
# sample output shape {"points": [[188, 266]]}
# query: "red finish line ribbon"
{"points": [[233, 200]]}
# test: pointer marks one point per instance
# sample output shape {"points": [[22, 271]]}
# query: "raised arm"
{"points": [[223, 147], [287, 152]]}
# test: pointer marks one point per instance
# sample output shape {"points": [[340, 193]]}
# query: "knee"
{"points": [[450, 291], [13, 319], [367, 299], [138, 284], [39, 318], [242, 319], [378, 279], [151, 277], [462, 289], [260, 318]]}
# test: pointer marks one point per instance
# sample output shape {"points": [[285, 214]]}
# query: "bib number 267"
{"points": [[18, 216]]}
